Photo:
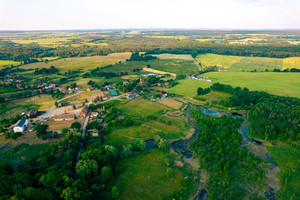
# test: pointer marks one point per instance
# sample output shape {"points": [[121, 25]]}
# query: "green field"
{"points": [[8, 63], [256, 63], [176, 66], [288, 158], [125, 67], [210, 59], [188, 87], [141, 107], [284, 84], [81, 63], [242, 63], [143, 177]]}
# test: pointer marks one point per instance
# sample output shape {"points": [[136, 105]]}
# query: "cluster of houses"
{"points": [[46, 86], [69, 90], [196, 78]]}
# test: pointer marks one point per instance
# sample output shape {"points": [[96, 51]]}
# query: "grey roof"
{"points": [[21, 122]]}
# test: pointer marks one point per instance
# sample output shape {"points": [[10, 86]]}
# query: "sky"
{"points": [[131, 14]]}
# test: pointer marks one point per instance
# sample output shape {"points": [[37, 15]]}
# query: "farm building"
{"points": [[113, 92], [84, 111], [94, 114], [21, 125], [32, 113], [64, 117], [142, 81], [104, 96], [125, 83]]}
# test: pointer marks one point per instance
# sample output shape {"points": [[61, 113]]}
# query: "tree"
{"points": [[115, 194], [199, 91], [74, 107], [163, 145], [56, 104], [76, 125], [86, 169], [41, 129]]}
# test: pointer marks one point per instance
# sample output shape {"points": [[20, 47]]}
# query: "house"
{"points": [[104, 96], [52, 85], [64, 117], [150, 74], [89, 89], [19, 85], [142, 81], [63, 90], [125, 83], [99, 120], [159, 84], [94, 114], [130, 96], [113, 92], [21, 125], [84, 111], [167, 83], [32, 113]]}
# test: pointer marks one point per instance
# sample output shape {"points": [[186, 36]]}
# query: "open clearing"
{"points": [[188, 87], [284, 84], [174, 56], [81, 63], [143, 177]]}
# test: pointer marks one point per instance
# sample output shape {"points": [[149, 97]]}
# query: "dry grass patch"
{"points": [[171, 103]]}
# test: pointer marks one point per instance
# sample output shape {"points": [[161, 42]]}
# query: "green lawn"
{"points": [[288, 158], [125, 67], [284, 84], [143, 177], [188, 87]]}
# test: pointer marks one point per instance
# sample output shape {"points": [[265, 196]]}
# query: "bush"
{"points": [[169, 173], [163, 145]]}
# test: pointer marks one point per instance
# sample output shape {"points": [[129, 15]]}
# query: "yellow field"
{"points": [[171, 103], [205, 40], [8, 62], [293, 62], [174, 56], [50, 58]]}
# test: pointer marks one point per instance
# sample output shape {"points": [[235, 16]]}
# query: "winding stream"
{"points": [[258, 148]]}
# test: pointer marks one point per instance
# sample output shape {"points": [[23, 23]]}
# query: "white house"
{"points": [[21, 125]]}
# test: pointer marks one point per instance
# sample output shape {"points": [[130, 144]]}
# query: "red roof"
{"points": [[18, 85]]}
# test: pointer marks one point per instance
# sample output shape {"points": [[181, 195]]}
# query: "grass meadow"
{"points": [[215, 59], [143, 177], [177, 66], [188, 87], [287, 156], [174, 56], [283, 84], [258, 63]]}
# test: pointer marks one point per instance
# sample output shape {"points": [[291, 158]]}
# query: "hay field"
{"points": [[81, 63], [284, 84], [176, 66]]}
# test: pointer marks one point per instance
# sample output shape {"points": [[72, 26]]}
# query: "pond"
{"points": [[150, 144]]}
